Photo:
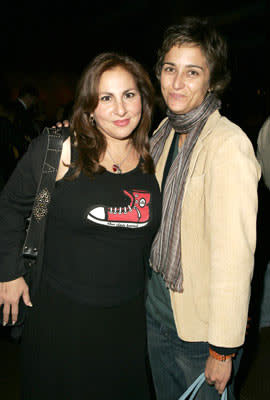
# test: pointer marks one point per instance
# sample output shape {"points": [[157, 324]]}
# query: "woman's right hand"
{"points": [[10, 293]]}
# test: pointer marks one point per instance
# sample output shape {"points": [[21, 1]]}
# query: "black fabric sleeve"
{"points": [[16, 201], [224, 350]]}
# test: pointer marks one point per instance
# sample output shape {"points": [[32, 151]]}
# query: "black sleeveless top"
{"points": [[99, 233]]}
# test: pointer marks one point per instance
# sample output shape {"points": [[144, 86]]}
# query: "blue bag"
{"points": [[195, 387]]}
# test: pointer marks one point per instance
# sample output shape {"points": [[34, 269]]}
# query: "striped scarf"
{"points": [[165, 255]]}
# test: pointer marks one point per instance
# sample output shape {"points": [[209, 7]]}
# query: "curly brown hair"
{"points": [[90, 142]]}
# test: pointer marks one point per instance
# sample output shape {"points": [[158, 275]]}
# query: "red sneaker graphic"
{"points": [[135, 215]]}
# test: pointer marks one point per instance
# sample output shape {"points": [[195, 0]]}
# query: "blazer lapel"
{"points": [[207, 129]]}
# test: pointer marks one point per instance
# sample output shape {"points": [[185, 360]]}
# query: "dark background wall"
{"points": [[49, 43]]}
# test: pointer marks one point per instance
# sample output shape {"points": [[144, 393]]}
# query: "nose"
{"points": [[178, 82], [120, 108]]}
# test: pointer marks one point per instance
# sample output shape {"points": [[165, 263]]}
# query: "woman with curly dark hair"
{"points": [[84, 337]]}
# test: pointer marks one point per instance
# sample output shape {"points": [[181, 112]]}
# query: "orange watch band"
{"points": [[220, 357]]}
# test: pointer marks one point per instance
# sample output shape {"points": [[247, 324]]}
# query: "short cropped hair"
{"points": [[198, 31]]}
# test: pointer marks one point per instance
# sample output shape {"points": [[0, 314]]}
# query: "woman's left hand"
{"points": [[218, 373]]}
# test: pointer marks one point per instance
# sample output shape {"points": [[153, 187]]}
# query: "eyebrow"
{"points": [[187, 66], [111, 94]]}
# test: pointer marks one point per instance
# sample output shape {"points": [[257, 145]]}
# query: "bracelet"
{"points": [[220, 357]]}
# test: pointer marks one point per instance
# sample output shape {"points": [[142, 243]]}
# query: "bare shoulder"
{"points": [[64, 160]]}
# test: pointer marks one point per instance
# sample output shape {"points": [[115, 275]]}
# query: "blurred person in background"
{"points": [[263, 155], [24, 111], [8, 150]]}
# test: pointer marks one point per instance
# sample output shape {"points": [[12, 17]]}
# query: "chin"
{"points": [[177, 109]]}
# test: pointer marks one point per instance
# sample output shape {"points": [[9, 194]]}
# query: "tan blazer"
{"points": [[218, 234]]}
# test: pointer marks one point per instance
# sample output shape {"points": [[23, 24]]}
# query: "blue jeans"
{"points": [[175, 364]]}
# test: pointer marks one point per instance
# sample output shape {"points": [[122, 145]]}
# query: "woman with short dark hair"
{"points": [[202, 256]]}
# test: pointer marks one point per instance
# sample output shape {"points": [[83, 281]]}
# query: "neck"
{"points": [[120, 156], [119, 147]]}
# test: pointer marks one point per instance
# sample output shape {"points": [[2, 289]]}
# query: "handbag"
{"points": [[36, 222], [193, 389]]}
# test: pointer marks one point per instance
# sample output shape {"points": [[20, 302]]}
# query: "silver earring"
{"points": [[92, 120]]}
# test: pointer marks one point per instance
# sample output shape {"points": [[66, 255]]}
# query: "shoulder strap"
{"points": [[44, 192]]}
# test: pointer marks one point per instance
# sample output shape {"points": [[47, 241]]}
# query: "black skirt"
{"points": [[74, 351]]}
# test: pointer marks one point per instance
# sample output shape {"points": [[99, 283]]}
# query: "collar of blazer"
{"points": [[207, 129]]}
